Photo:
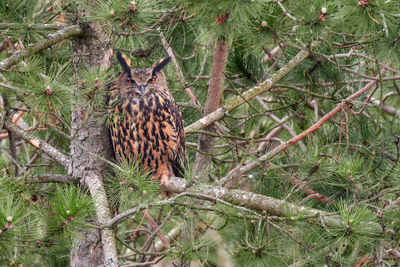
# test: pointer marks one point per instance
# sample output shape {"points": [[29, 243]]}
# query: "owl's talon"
{"points": [[164, 180]]}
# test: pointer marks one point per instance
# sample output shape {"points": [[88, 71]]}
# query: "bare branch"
{"points": [[149, 263], [171, 53], [354, 54], [387, 109], [51, 178], [11, 138], [156, 228], [282, 123], [285, 12]]}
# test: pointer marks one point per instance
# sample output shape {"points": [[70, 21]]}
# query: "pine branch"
{"points": [[51, 178], [32, 26], [242, 170], [251, 93], [95, 184], [258, 202], [171, 53], [50, 40], [51, 151]]}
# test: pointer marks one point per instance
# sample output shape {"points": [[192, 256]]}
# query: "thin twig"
{"points": [[282, 123], [156, 229], [149, 263], [287, 14]]}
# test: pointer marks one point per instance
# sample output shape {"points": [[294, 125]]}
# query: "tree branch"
{"points": [[251, 93], [259, 202], [387, 109], [50, 40], [51, 151], [31, 26], [242, 170], [51, 178]]}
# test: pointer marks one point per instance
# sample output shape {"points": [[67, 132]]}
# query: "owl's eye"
{"points": [[153, 79], [130, 81]]}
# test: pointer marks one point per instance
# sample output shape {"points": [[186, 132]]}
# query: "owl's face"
{"points": [[142, 82]]}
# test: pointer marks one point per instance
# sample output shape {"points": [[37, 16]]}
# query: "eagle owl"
{"points": [[147, 124]]}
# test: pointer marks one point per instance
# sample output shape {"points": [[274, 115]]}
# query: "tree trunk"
{"points": [[215, 89], [93, 247]]}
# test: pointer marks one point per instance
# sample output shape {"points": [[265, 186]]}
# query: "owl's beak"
{"points": [[142, 88]]}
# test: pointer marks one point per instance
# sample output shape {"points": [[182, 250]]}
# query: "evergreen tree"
{"points": [[291, 113]]}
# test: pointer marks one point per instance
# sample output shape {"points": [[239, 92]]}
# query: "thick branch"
{"points": [[206, 142], [99, 196], [95, 48], [50, 40], [258, 202], [251, 93]]}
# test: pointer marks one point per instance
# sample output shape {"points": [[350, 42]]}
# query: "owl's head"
{"points": [[142, 82]]}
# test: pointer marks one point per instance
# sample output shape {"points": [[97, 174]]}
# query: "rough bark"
{"points": [[95, 247], [206, 142]]}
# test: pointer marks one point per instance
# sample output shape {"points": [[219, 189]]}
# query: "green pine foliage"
{"points": [[351, 161]]}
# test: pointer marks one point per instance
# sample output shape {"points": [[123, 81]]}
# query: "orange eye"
{"points": [[129, 80], [153, 80]]}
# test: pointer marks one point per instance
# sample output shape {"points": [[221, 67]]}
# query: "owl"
{"points": [[147, 124]]}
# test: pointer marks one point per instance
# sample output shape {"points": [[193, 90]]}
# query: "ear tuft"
{"points": [[160, 64], [124, 61]]}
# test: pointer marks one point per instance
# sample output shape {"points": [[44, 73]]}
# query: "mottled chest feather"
{"points": [[149, 129]]}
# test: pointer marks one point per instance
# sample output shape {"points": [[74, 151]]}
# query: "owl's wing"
{"points": [[179, 161]]}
